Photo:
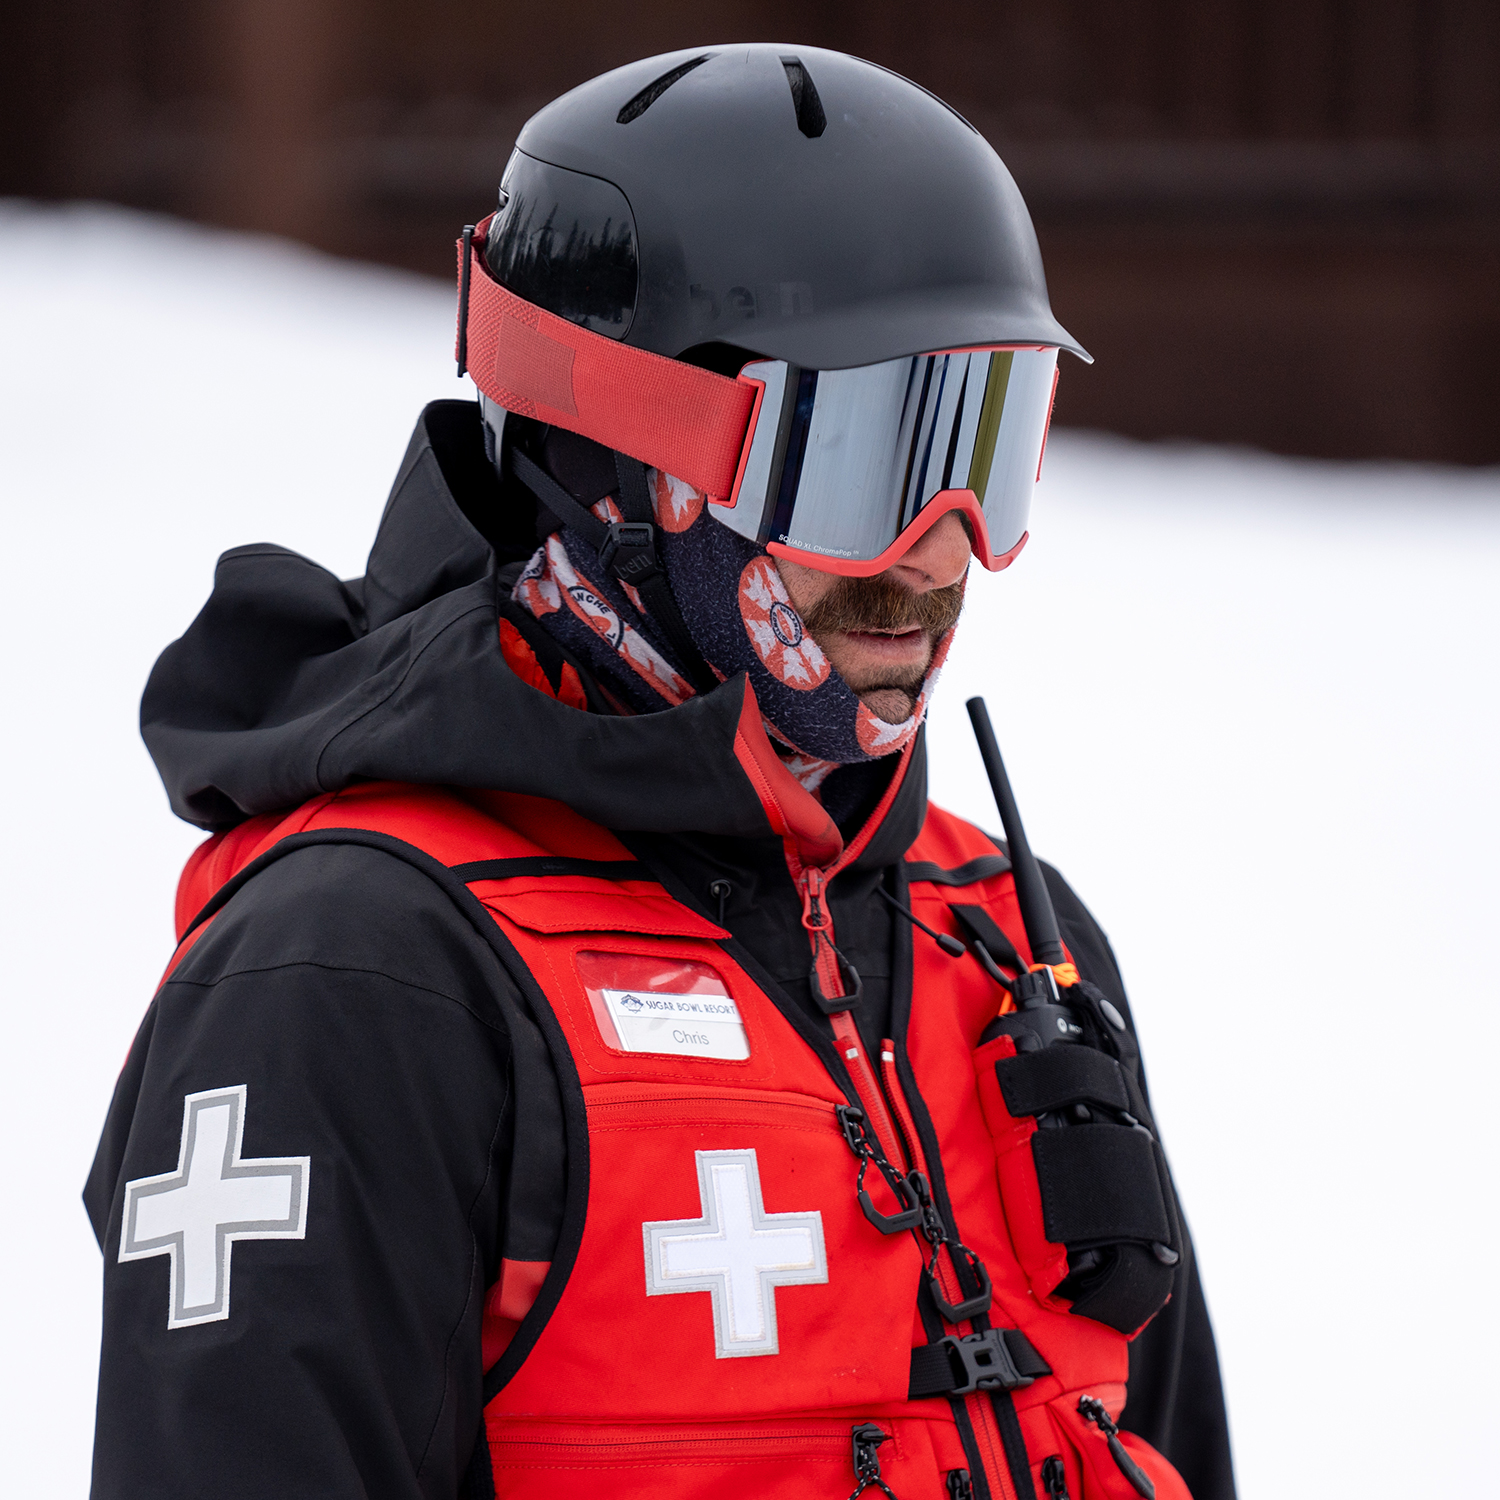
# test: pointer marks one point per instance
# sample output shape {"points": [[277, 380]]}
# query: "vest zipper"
{"points": [[1091, 1409], [1055, 1477], [981, 1412], [991, 1447], [867, 1086], [867, 1438], [824, 1440], [906, 1125], [788, 1441], [818, 920], [1001, 1477]]}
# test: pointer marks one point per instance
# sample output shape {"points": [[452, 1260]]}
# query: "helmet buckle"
{"points": [[629, 551]]}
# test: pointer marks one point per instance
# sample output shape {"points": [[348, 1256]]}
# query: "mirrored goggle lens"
{"points": [[841, 462]]}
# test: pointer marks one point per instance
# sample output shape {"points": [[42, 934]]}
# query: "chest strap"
{"points": [[998, 1358]]}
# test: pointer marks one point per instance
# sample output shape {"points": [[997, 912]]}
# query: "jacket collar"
{"points": [[291, 683]]}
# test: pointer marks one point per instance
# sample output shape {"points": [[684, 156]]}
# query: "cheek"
{"points": [[804, 586]]}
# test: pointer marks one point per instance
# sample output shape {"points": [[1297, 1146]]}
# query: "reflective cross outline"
{"points": [[194, 1214], [736, 1252]]}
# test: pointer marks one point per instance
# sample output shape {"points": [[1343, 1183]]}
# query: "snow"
{"points": [[1248, 705]]}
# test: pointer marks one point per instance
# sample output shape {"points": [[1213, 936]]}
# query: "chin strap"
{"points": [[626, 548]]}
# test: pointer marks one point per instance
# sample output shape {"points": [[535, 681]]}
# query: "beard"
{"points": [[883, 606]]}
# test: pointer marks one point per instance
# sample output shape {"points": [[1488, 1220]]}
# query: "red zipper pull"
{"points": [[828, 981], [814, 915]]}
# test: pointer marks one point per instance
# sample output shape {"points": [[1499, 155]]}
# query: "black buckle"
{"points": [[629, 551], [982, 1362]]}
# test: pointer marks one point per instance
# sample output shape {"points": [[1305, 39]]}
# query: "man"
{"points": [[589, 1062]]}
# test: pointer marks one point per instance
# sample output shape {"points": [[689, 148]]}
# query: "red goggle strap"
{"points": [[688, 422]]}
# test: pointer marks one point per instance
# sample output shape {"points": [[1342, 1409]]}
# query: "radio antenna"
{"points": [[1037, 915]]}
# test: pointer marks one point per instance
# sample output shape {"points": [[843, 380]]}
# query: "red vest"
{"points": [[722, 1316]]}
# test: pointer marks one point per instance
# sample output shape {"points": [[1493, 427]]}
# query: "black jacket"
{"points": [[376, 1034]]}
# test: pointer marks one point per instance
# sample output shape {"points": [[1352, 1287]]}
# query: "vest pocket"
{"points": [[1044, 1262], [1087, 1196], [1091, 1469], [725, 1269], [790, 1459]]}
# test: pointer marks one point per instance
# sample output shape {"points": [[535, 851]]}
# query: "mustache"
{"points": [[881, 604]]}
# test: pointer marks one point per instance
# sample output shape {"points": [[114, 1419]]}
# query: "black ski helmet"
{"points": [[786, 200]]}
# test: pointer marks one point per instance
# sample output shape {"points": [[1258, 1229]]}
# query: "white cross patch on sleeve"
{"points": [[737, 1253], [193, 1215]]}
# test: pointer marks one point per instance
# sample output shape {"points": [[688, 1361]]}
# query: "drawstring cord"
{"points": [[721, 891], [950, 945]]}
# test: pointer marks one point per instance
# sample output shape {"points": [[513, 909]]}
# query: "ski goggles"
{"points": [[843, 470]]}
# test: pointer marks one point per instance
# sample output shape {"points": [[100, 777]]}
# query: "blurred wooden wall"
{"points": [[1274, 222]]}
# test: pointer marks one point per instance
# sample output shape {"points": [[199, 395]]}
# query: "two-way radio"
{"points": [[1041, 1017], [1119, 1273]]}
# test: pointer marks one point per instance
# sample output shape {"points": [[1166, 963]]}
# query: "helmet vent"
{"points": [[653, 91], [811, 120]]}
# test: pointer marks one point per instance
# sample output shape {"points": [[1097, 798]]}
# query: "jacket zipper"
{"points": [[818, 920]]}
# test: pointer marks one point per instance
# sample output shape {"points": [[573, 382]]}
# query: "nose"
{"points": [[937, 558]]}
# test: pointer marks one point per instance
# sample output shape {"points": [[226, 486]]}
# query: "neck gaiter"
{"points": [[736, 608]]}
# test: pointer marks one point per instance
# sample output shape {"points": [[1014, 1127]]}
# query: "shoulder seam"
{"points": [[312, 963]]}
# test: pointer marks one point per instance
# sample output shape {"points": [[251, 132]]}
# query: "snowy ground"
{"points": [[1248, 705]]}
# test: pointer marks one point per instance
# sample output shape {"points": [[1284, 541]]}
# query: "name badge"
{"points": [[679, 1025]]}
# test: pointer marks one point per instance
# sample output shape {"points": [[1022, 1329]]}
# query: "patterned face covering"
{"points": [[737, 610]]}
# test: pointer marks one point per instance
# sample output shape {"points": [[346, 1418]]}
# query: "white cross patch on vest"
{"points": [[737, 1253], [194, 1214]]}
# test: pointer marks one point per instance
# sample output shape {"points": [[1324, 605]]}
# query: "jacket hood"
{"points": [[291, 683]]}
